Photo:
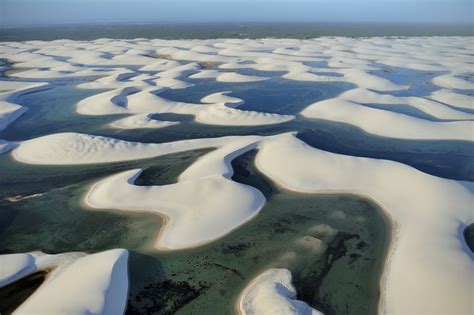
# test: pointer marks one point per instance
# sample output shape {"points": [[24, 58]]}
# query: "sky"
{"points": [[47, 12]]}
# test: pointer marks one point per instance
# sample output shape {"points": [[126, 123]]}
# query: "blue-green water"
{"points": [[53, 111], [206, 280]]}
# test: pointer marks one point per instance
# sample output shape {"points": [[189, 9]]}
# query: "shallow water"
{"points": [[53, 110], [212, 276], [41, 206], [208, 277], [270, 96]]}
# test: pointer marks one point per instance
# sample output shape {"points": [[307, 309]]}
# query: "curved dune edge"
{"points": [[139, 121], [430, 107], [419, 265], [272, 293], [345, 55], [352, 58], [216, 109], [9, 110], [454, 99], [227, 77], [100, 282], [189, 222], [418, 204], [394, 230], [206, 183], [72, 148], [222, 97], [177, 232], [390, 124], [17, 266], [155, 64], [233, 77]]}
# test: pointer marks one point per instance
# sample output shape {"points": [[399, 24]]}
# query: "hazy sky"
{"points": [[36, 12]]}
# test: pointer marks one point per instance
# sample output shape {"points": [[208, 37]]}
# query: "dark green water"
{"points": [[56, 222], [41, 206], [205, 280]]}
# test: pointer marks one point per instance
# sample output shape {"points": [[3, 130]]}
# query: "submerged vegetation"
{"points": [[249, 161]]}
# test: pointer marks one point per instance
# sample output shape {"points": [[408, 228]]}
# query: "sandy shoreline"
{"points": [[394, 229], [165, 219]]}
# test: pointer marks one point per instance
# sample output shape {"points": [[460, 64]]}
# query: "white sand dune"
{"points": [[358, 77], [211, 197], [172, 83], [427, 106], [387, 123], [180, 71], [147, 101], [242, 52], [133, 100], [191, 55], [15, 266], [56, 73], [190, 221], [220, 114], [129, 59], [412, 63], [141, 121], [205, 74], [161, 65], [9, 113], [369, 81], [272, 293], [14, 88], [452, 81], [353, 59], [428, 267], [234, 77], [118, 78], [345, 60], [40, 62], [75, 148], [269, 64], [11, 90], [84, 56], [77, 284], [427, 211], [106, 103], [207, 183], [454, 99], [136, 101], [309, 76], [222, 97]]}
